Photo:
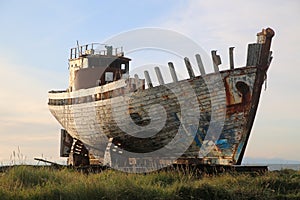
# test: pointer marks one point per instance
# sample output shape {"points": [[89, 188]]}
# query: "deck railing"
{"points": [[95, 49]]}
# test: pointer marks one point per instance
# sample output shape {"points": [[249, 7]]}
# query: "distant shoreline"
{"points": [[271, 167]]}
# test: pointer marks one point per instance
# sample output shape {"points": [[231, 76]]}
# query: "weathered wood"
{"points": [[231, 61], [159, 76], [148, 79], [141, 101], [253, 55], [200, 64], [189, 67], [262, 66], [216, 60], [136, 80], [95, 121], [173, 72]]}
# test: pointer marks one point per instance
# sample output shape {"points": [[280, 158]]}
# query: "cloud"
{"points": [[232, 22]]}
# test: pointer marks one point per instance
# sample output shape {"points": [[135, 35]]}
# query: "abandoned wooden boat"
{"points": [[111, 119]]}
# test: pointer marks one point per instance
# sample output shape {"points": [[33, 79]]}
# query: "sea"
{"points": [[274, 167]]}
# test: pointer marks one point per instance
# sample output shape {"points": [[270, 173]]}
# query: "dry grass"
{"points": [[25, 182]]}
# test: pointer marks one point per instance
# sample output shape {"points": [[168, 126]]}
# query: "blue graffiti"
{"points": [[223, 144], [200, 134]]}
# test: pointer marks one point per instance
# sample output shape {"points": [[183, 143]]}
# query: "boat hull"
{"points": [[202, 120]]}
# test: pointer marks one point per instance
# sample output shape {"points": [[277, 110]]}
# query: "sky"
{"points": [[35, 38]]}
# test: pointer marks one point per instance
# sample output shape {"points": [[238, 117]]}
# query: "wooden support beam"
{"points": [[189, 67], [159, 76], [148, 79], [200, 64], [173, 72]]}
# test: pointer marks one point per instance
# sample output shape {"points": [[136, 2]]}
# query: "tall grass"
{"points": [[25, 182]]}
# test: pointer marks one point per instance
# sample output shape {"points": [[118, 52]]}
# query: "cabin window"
{"points": [[85, 63], [123, 66]]}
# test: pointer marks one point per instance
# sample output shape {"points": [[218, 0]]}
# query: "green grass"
{"points": [[25, 182]]}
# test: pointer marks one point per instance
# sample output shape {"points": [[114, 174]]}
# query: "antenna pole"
{"points": [[78, 48]]}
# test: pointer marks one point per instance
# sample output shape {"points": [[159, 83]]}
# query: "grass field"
{"points": [[25, 182]]}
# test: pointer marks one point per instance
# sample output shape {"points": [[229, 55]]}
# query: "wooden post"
{"points": [[173, 72], [231, 62], [216, 60], [159, 76], [148, 79], [189, 67], [136, 80], [200, 64], [253, 55]]}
